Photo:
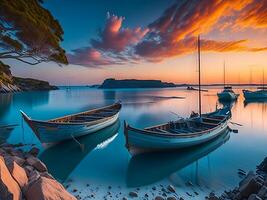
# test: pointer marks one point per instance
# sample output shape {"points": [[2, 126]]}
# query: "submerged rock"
{"points": [[133, 194], [171, 188]]}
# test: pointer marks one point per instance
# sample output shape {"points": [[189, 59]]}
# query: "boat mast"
{"points": [[199, 76], [224, 73]]}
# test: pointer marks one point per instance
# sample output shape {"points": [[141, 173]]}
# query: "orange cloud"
{"points": [[254, 15]]}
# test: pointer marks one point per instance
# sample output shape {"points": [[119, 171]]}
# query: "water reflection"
{"points": [[62, 158], [31, 99], [149, 168], [5, 103], [255, 101], [5, 131]]}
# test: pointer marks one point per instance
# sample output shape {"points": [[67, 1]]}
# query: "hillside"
{"points": [[133, 83], [8, 83]]}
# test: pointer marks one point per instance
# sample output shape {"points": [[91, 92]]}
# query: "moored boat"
{"points": [[75, 125], [227, 94], [258, 94], [195, 130], [178, 134]]}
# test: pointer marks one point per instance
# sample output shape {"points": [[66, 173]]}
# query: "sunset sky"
{"points": [[156, 39]]}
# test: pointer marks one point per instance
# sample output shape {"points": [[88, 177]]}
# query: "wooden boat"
{"points": [[178, 134], [195, 130], [227, 94], [75, 125]]}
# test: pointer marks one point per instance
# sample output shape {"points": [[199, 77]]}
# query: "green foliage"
{"points": [[28, 32]]}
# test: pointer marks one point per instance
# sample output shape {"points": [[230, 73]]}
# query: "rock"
{"points": [[171, 198], [263, 192], [133, 194], [254, 197], [36, 163], [248, 177], [28, 170], [263, 165], [45, 188], [171, 188], [159, 198], [252, 186], [19, 174], [9, 188], [34, 151], [124, 198], [47, 175], [153, 188], [189, 183], [34, 176]]}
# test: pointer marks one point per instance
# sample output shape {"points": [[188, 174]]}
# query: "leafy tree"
{"points": [[29, 33]]}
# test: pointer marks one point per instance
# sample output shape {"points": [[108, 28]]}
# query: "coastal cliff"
{"points": [[133, 83], [24, 177], [9, 83]]}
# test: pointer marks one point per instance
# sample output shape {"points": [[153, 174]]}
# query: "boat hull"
{"points": [[227, 96], [50, 133], [260, 94], [53, 131], [137, 142]]}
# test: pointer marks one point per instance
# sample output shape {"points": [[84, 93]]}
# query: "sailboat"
{"points": [[227, 94], [259, 94], [192, 131]]}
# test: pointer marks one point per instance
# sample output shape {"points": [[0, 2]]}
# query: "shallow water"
{"points": [[104, 161]]}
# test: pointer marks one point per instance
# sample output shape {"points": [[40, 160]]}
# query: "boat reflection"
{"points": [[253, 101], [145, 169], [63, 158], [5, 131]]}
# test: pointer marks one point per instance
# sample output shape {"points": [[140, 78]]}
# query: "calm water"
{"points": [[104, 161]]}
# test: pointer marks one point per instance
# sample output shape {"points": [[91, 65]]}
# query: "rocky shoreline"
{"points": [[252, 187], [24, 177]]}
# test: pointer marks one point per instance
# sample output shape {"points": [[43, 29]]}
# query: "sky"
{"points": [[156, 39]]}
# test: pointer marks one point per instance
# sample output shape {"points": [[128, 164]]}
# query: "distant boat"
{"points": [[261, 93], [195, 89], [75, 125], [182, 133], [227, 94]]}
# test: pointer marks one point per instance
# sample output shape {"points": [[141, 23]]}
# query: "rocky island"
{"points": [[9, 83], [112, 83]]}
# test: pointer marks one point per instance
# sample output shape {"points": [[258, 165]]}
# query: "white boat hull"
{"points": [[50, 133], [54, 131]]}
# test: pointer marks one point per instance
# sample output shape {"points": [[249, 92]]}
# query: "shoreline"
{"points": [[24, 177]]}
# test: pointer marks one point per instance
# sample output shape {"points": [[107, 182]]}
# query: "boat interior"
{"points": [[89, 116], [188, 126]]}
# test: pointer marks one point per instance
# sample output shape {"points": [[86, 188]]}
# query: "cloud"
{"points": [[114, 38], [157, 51], [175, 32], [90, 57], [254, 15]]}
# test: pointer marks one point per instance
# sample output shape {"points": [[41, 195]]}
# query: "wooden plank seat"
{"points": [[160, 130]]}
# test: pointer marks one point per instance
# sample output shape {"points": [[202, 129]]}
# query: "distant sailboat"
{"points": [[261, 93], [227, 94], [195, 130]]}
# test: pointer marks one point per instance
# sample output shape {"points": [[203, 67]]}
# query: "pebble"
{"points": [[171, 198], [159, 198], [133, 194], [171, 188]]}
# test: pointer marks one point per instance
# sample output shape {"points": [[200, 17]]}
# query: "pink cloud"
{"points": [[90, 57], [115, 38]]}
